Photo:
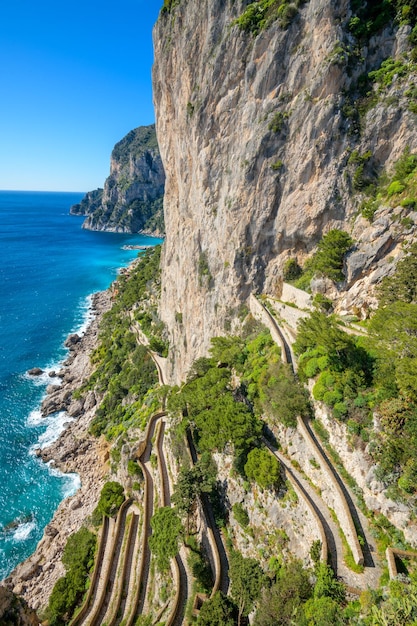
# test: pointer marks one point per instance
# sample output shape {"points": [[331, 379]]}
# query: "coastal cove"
{"points": [[49, 269]]}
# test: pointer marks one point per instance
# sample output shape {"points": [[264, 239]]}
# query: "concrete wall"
{"points": [[341, 506], [300, 298]]}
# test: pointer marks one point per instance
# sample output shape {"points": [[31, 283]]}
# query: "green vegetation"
{"points": [[166, 533], [397, 189], [240, 514], [264, 468], [385, 74], [111, 499], [125, 374], [169, 5], [277, 121], [137, 141], [371, 17], [357, 376], [248, 580], [217, 611], [204, 275], [191, 483], [78, 559], [328, 258], [221, 414], [199, 565], [291, 270], [260, 14]]}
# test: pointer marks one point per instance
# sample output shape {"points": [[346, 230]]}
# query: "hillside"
{"points": [[253, 387], [131, 200]]}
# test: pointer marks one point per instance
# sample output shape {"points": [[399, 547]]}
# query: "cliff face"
{"points": [[131, 200], [14, 610], [255, 134]]}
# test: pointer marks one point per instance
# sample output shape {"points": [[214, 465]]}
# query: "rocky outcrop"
{"points": [[14, 610], [255, 137], [131, 200]]}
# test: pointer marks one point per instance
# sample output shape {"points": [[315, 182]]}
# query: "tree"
{"points": [[166, 532], [111, 499], [282, 603], [217, 611], [327, 585], [393, 331], [200, 478], [248, 580], [323, 611], [328, 260], [263, 467], [78, 558]]}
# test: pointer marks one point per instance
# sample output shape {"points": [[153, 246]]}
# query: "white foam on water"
{"points": [[23, 531], [34, 418], [88, 314], [44, 379], [55, 425], [72, 480]]}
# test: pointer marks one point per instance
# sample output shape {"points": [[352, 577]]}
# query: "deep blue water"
{"points": [[48, 268]]}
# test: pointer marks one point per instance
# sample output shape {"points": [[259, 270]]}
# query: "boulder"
{"points": [[72, 340], [35, 371]]}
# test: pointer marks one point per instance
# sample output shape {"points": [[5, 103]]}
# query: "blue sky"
{"points": [[75, 78]]}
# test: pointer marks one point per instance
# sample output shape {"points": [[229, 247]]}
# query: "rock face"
{"points": [[14, 610], [255, 141], [131, 200]]}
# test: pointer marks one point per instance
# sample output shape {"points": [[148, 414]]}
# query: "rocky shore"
{"points": [[74, 451]]}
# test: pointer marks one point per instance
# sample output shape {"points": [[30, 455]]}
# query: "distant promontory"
{"points": [[132, 198]]}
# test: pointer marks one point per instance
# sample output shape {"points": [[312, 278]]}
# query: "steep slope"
{"points": [[256, 133], [131, 200]]}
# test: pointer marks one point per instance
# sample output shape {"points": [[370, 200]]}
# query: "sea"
{"points": [[49, 268]]}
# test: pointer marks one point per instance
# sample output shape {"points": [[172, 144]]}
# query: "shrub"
{"points": [[277, 122], [78, 558], [395, 188], [311, 368], [291, 270], [264, 468], [166, 532], [241, 514], [111, 499], [328, 260], [332, 397], [340, 410]]}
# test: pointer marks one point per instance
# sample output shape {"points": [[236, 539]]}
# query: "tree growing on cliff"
{"points": [[264, 468], [217, 611], [248, 580]]}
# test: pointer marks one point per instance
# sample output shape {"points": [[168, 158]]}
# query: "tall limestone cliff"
{"points": [[131, 200], [267, 136]]}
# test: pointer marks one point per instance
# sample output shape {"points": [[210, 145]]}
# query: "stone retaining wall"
{"points": [[342, 509]]}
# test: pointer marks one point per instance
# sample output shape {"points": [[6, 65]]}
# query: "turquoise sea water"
{"points": [[48, 268]]}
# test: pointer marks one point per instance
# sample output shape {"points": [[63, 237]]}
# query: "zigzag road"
{"points": [[372, 572]]}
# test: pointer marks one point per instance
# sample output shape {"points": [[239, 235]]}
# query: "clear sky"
{"points": [[75, 77]]}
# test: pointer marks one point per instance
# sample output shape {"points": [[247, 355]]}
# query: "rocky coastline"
{"points": [[74, 451]]}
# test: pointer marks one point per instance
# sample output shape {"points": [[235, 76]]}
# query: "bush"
{"points": [[78, 558], [395, 188], [328, 260], [291, 270], [111, 499], [264, 468], [166, 532], [241, 514]]}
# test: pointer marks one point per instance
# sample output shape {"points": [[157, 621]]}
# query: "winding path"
{"points": [[357, 524]]}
